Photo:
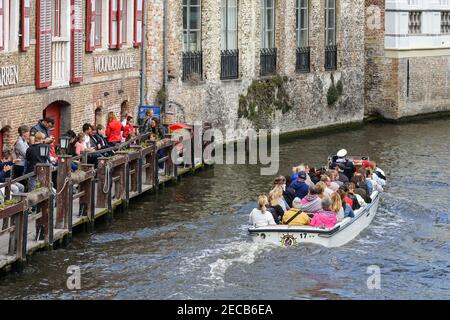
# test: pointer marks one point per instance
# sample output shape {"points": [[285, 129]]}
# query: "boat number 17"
{"points": [[302, 235]]}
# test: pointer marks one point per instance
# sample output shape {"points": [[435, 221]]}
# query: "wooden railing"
{"points": [[85, 194]]}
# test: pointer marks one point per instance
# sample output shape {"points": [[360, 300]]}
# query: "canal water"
{"points": [[191, 241]]}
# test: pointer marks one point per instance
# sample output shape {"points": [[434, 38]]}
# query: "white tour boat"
{"points": [[340, 234]]}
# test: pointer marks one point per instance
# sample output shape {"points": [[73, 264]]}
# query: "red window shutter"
{"points": [[138, 10], [44, 43], [2, 25], [119, 22], [25, 42], [113, 24], [76, 42], [90, 25]]}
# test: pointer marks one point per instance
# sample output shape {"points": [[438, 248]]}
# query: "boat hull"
{"points": [[338, 236]]}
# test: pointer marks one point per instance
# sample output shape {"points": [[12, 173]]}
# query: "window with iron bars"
{"points": [[268, 53], [303, 50], [229, 68], [192, 54], [330, 35]]}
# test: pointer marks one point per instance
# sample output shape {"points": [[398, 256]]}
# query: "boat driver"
{"points": [[345, 164]]}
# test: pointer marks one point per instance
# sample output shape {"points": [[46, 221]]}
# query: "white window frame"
{"points": [[227, 28], [105, 26], [188, 30], [11, 16], [300, 7], [328, 28], [129, 23], [268, 42]]}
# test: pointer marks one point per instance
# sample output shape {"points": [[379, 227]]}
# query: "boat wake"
{"points": [[213, 263]]}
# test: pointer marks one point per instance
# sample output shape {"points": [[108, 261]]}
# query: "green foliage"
{"points": [[340, 87], [263, 98], [332, 95], [8, 203], [334, 92]]}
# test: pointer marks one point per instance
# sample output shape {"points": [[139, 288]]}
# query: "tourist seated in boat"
{"points": [[300, 186], [311, 203], [305, 168], [288, 192], [260, 216], [334, 177], [321, 191], [324, 218], [378, 174], [296, 217], [361, 187], [277, 204], [359, 200], [369, 178], [343, 192], [326, 179], [342, 177], [313, 175], [354, 203], [339, 205]]}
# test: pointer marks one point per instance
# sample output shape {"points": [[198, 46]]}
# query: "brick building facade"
{"points": [[77, 83]]}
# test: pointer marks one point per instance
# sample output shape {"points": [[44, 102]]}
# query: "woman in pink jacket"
{"points": [[324, 218]]}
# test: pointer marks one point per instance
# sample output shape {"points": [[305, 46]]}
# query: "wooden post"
{"points": [[101, 177], [89, 192], [44, 178], [19, 235], [7, 197], [25, 235], [63, 189], [150, 177], [139, 174], [13, 235], [84, 157]]}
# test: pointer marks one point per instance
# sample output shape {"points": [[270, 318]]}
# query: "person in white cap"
{"points": [[349, 169], [341, 156]]}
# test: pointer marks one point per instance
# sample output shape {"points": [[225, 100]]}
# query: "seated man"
{"points": [[300, 186]]}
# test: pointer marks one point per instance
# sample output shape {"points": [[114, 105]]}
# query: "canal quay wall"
{"points": [[46, 217]]}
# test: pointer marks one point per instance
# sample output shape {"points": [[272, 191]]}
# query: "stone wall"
{"points": [[217, 101]]}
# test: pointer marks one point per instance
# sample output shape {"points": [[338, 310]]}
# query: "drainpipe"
{"points": [[165, 67], [143, 47]]}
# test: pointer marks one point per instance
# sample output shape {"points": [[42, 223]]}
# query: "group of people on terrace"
{"points": [[26, 153], [319, 197]]}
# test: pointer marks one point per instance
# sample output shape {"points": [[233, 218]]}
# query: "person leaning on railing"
{"points": [[6, 166], [43, 126], [20, 149], [113, 129], [33, 157]]}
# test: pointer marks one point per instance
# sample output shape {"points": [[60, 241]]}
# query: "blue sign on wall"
{"points": [[156, 111]]}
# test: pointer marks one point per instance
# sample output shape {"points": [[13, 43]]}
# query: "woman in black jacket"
{"points": [[33, 157]]}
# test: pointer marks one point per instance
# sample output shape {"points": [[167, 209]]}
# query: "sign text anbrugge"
{"points": [[113, 63], [9, 75]]}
